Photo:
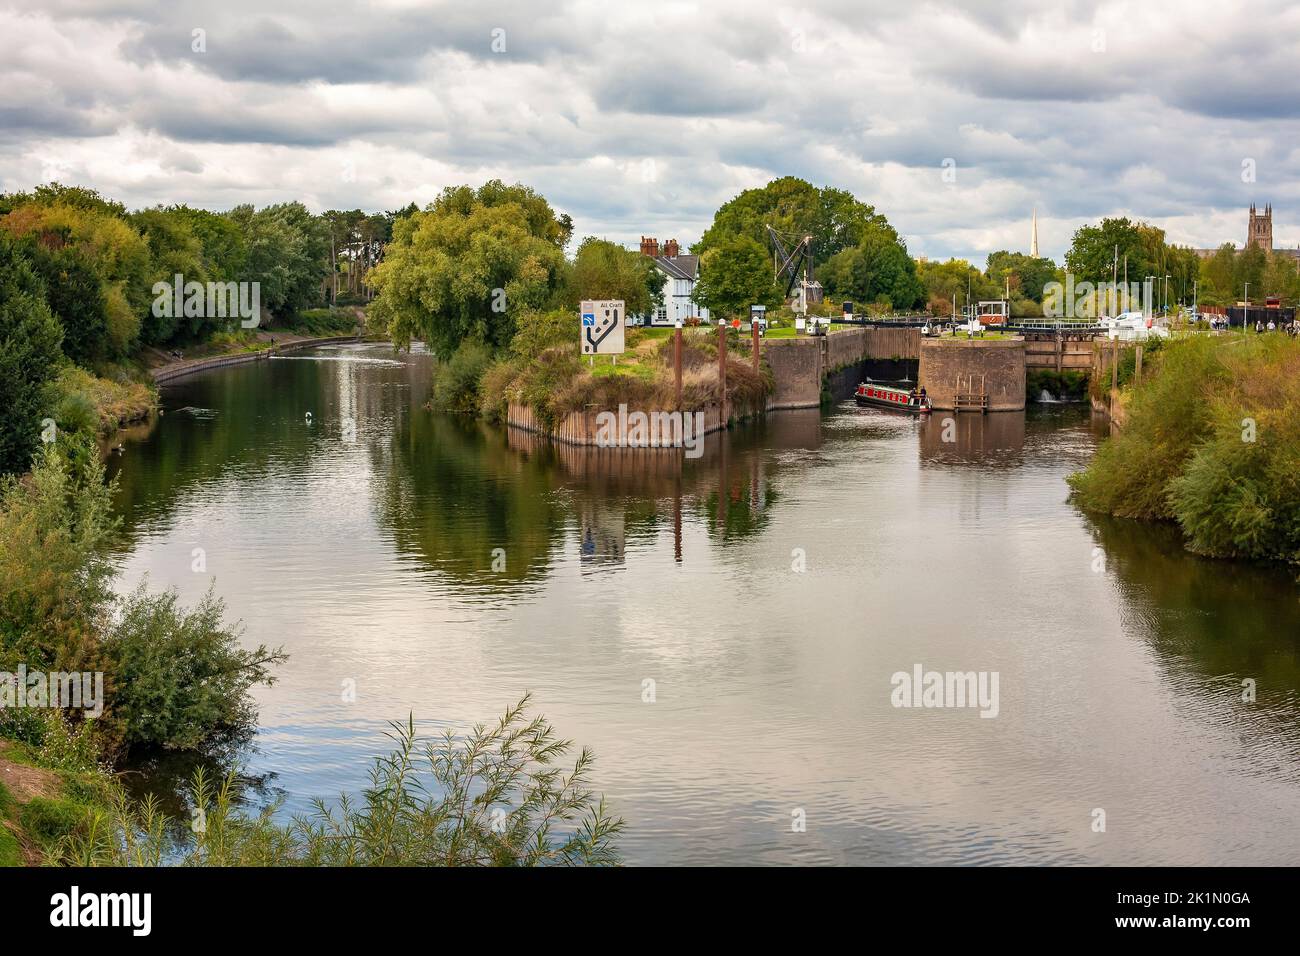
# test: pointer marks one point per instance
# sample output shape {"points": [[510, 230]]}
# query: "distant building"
{"points": [[1260, 232], [680, 273], [1259, 235], [1033, 237]]}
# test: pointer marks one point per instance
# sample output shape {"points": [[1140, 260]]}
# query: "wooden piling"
{"points": [[677, 365]]}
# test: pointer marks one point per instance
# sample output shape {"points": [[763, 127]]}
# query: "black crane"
{"points": [[789, 264]]}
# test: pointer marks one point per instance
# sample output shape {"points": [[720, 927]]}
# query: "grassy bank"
{"points": [[1212, 442]]}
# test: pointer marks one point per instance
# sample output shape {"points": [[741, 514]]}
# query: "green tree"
{"points": [[1092, 254], [76, 296], [1024, 274], [735, 274], [877, 270], [606, 270], [793, 207], [467, 266], [30, 340], [1218, 274]]}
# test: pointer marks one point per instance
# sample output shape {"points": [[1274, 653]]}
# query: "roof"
{"points": [[679, 267]]}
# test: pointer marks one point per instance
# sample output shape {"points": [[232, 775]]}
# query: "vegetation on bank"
{"points": [[78, 289], [496, 797], [1212, 442], [173, 678]]}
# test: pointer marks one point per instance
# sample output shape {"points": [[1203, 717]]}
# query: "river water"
{"points": [[770, 590]]}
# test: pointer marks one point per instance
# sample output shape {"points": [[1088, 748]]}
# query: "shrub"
{"points": [[55, 526], [456, 380], [179, 679], [1212, 441], [494, 798], [535, 332]]}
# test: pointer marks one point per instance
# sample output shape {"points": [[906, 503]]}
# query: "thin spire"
{"points": [[1033, 237]]}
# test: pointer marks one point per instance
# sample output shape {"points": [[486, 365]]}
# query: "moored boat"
{"points": [[891, 396]]}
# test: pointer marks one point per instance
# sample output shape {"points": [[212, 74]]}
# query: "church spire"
{"points": [[1033, 236]]}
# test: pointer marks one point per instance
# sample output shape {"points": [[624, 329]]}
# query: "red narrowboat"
{"points": [[890, 396]]}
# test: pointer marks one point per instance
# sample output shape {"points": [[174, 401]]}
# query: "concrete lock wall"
{"points": [[796, 372], [997, 366]]}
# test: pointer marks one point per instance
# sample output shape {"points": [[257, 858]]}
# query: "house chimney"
{"points": [[649, 247], [670, 248]]}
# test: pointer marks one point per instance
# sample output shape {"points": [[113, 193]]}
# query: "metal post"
{"points": [[1137, 368]]}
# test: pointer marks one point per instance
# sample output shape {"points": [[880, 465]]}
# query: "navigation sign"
{"points": [[602, 326]]}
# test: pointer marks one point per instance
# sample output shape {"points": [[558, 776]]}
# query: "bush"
{"points": [[55, 527], [1212, 441], [535, 332], [174, 679], [180, 679], [456, 381]]}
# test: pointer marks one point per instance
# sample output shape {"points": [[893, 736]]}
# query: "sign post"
{"points": [[601, 331]]}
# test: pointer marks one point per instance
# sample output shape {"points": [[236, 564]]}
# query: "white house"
{"points": [[680, 274]]}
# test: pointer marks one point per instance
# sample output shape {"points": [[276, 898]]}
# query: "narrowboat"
{"points": [[891, 396]]}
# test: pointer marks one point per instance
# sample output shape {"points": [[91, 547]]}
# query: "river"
{"points": [[770, 590]]}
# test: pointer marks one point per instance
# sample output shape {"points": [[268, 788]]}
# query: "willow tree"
{"points": [[469, 264]]}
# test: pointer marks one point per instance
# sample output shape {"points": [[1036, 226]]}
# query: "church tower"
{"points": [[1260, 231]]}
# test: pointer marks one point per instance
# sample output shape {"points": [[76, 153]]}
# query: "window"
{"points": [[662, 314]]}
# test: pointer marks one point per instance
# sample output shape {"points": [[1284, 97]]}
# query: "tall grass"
{"points": [[1212, 441], [493, 798]]}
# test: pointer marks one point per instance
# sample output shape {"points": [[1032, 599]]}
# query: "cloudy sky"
{"points": [[641, 118]]}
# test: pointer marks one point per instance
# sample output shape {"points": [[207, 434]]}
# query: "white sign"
{"points": [[601, 330]]}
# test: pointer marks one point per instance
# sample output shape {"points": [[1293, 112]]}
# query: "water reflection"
{"points": [[770, 588]]}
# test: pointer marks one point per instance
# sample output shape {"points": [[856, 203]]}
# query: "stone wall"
{"points": [[997, 365], [796, 372]]}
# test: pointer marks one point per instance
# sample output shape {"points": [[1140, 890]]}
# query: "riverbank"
{"points": [[1210, 441], [256, 348]]}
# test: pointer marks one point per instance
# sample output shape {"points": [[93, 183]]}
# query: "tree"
{"points": [[1092, 254], [1025, 274], [29, 355], [793, 207], [76, 296], [109, 243], [606, 270], [953, 285], [173, 250], [1219, 276], [469, 264], [735, 274], [877, 270], [287, 255]]}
